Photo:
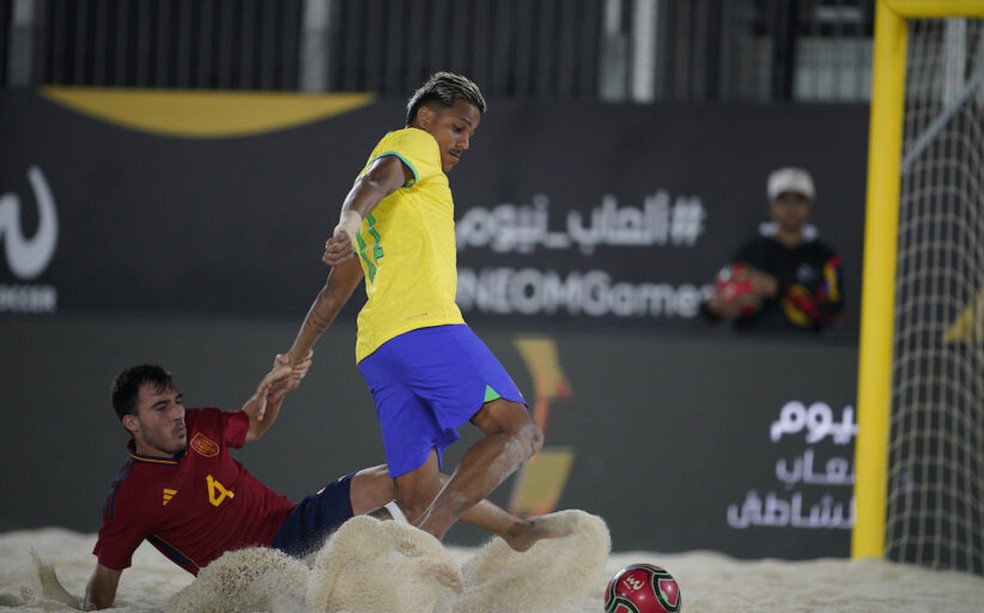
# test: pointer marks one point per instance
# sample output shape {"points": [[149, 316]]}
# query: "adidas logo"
{"points": [[168, 495]]}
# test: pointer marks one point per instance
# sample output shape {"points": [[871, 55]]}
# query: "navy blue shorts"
{"points": [[427, 383], [314, 518]]}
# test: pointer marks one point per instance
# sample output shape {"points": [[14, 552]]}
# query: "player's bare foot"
{"points": [[525, 533]]}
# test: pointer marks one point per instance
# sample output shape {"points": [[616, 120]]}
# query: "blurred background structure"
{"points": [[613, 50]]}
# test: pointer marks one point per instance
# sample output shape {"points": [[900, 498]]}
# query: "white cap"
{"points": [[790, 180]]}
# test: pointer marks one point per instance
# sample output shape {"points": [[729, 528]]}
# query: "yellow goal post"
{"points": [[875, 359]]}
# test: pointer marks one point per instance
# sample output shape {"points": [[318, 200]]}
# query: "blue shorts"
{"points": [[427, 383], [314, 518]]}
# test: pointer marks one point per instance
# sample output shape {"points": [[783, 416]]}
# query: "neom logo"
{"points": [[27, 257]]}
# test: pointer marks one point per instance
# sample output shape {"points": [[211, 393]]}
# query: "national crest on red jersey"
{"points": [[204, 446]]}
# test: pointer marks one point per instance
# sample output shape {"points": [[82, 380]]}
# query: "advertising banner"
{"points": [[587, 214]]}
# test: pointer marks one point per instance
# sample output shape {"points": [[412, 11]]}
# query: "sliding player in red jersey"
{"points": [[181, 490]]}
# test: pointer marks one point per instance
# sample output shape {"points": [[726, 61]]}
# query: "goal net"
{"points": [[935, 510]]}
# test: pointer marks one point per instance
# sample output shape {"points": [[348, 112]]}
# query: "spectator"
{"points": [[785, 279]]}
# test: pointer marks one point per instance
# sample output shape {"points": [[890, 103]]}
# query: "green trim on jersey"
{"points": [[406, 163], [377, 249]]}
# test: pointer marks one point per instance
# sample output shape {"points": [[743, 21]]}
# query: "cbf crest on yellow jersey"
{"points": [[406, 246]]}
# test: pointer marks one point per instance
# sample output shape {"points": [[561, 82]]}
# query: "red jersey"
{"points": [[195, 506]]}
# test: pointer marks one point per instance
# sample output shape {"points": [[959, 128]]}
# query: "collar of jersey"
{"points": [[153, 459]]}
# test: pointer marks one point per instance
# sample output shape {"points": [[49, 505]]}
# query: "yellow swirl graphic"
{"points": [[204, 114], [541, 481]]}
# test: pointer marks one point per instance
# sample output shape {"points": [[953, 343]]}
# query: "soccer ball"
{"points": [[642, 588], [734, 284]]}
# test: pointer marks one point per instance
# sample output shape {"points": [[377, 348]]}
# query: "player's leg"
{"points": [[427, 383], [416, 489], [520, 534], [413, 439], [512, 437], [371, 488]]}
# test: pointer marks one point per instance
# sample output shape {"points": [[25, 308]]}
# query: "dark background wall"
{"points": [[647, 198]]}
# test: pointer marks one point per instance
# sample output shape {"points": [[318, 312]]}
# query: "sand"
{"points": [[708, 581]]}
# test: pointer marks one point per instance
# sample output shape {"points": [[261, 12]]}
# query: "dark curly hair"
{"points": [[126, 386], [444, 88]]}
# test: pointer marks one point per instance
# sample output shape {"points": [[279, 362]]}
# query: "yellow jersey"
{"points": [[406, 247]]}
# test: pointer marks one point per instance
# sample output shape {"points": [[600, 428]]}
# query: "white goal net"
{"points": [[936, 457]]}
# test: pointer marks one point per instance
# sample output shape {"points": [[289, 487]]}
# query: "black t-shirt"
{"points": [[810, 295]]}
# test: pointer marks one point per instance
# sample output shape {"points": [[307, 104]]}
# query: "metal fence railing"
{"points": [[205, 44], [640, 50], [521, 48]]}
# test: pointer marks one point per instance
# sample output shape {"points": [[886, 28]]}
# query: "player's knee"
{"points": [[538, 438], [370, 488], [531, 436]]}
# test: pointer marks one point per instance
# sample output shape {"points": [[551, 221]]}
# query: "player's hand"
{"points": [[282, 368], [273, 383], [297, 371], [338, 248], [276, 390]]}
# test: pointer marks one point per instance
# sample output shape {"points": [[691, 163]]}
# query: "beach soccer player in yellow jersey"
{"points": [[426, 369]]}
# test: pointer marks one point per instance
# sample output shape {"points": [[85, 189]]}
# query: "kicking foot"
{"points": [[525, 533]]}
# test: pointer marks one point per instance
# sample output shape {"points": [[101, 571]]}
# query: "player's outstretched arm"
{"points": [[338, 288], [100, 593], [386, 175], [342, 281]]}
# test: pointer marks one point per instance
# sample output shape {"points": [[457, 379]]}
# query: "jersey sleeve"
{"points": [[230, 427], [417, 150], [120, 534], [235, 426]]}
